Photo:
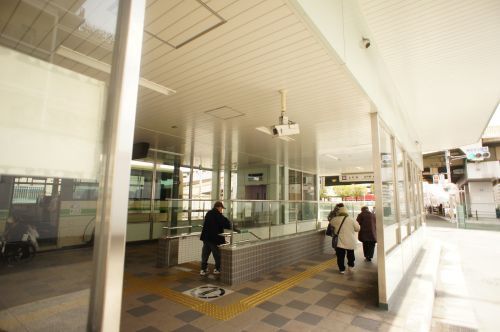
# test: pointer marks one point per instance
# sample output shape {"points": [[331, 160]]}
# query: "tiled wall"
{"points": [[247, 262]]}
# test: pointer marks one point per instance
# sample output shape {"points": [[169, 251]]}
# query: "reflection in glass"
{"points": [[401, 182], [391, 227], [53, 104]]}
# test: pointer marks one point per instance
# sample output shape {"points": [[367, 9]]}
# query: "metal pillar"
{"points": [[111, 225]]}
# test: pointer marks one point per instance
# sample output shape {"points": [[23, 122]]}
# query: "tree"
{"points": [[355, 190], [343, 191], [359, 190]]}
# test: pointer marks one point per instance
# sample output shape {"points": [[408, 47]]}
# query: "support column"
{"points": [[111, 224], [377, 172]]}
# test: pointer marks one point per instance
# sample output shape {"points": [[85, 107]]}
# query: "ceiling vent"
{"points": [[224, 113], [189, 26]]}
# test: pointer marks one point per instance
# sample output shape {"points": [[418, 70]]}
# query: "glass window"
{"points": [[85, 190], [202, 184], [409, 179], [391, 227], [401, 183], [294, 185], [309, 187], [55, 59], [418, 195], [140, 184]]}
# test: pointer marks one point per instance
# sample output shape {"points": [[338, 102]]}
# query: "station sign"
{"points": [[357, 177], [351, 178]]}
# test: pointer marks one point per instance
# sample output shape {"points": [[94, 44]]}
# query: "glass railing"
{"points": [[257, 219]]}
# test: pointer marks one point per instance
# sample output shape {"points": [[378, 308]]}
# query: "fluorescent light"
{"points": [[359, 167], [146, 164], [332, 156], [265, 130], [104, 67], [167, 152]]}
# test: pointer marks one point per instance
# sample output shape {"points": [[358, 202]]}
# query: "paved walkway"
{"points": [[468, 289]]}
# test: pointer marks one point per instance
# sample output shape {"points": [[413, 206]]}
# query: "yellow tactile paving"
{"points": [[219, 312]]}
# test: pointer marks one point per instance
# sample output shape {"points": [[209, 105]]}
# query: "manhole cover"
{"points": [[208, 292]]}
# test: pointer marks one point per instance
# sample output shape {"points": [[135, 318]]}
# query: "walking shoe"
{"points": [[342, 272], [203, 273], [350, 269], [216, 271]]}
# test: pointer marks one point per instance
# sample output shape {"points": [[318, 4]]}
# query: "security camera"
{"points": [[285, 129], [365, 42]]}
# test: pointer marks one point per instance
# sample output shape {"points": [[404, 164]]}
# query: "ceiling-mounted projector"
{"points": [[285, 127]]}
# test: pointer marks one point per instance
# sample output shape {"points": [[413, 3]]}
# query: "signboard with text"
{"points": [[357, 177]]}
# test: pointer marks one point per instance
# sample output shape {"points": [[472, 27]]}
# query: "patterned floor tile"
{"points": [[149, 298], [325, 286], [188, 315], [366, 323], [269, 306], [182, 288], [309, 318], [275, 320], [298, 305], [247, 291], [149, 329], [330, 301], [288, 312], [188, 328], [299, 289], [141, 311]]}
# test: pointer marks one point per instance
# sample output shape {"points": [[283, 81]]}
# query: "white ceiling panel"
{"points": [[444, 58], [261, 48]]}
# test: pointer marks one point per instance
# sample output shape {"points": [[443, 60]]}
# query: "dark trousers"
{"points": [[368, 249], [341, 252], [208, 248]]}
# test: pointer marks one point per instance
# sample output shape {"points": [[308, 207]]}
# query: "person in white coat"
{"points": [[347, 238]]}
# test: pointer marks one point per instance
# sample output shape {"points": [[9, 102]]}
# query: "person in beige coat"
{"points": [[347, 238]]}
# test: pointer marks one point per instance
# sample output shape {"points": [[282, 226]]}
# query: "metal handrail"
{"points": [[177, 227], [183, 235]]}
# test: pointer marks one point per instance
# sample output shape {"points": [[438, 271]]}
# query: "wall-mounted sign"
{"points": [[386, 159], [332, 181], [351, 178], [255, 177], [357, 177]]}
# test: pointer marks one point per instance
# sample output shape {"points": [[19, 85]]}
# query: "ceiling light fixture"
{"points": [[104, 67], [331, 156], [167, 152]]}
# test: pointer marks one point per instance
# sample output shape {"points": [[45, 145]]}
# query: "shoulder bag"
{"points": [[329, 230], [335, 237]]}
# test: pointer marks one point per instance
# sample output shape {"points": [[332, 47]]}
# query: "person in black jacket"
{"points": [[367, 233], [213, 225]]}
